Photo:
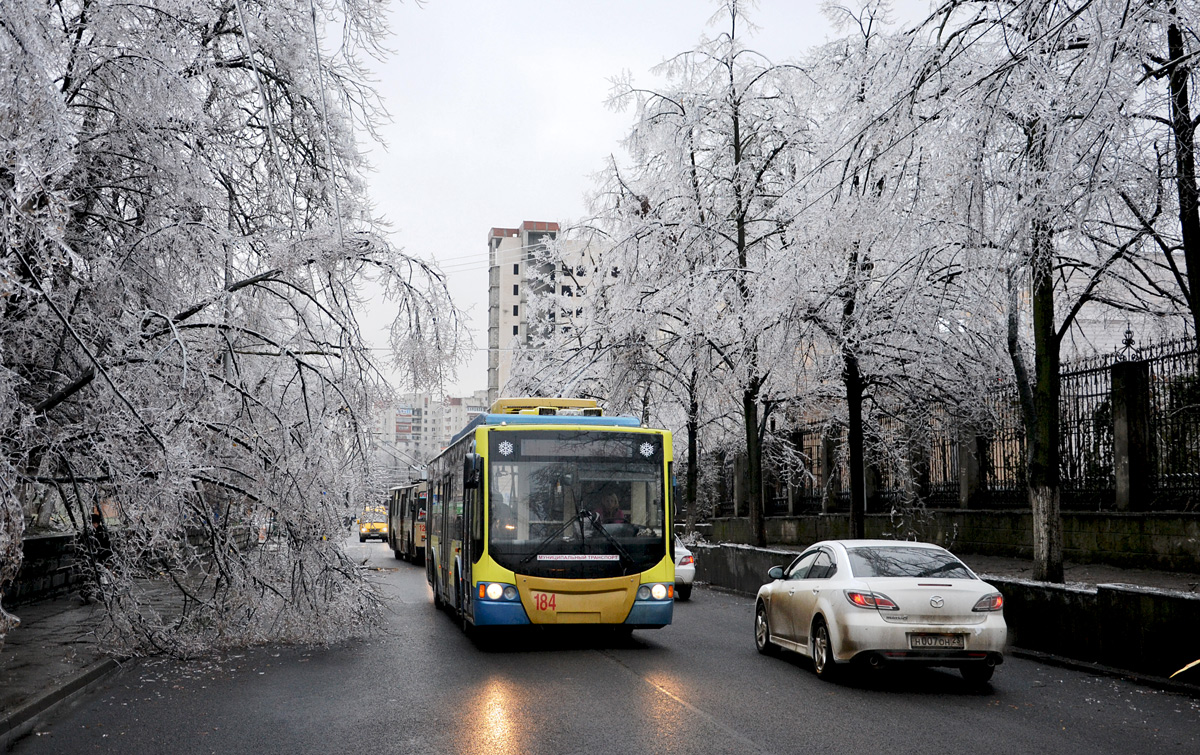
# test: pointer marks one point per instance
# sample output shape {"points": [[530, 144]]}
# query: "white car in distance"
{"points": [[881, 602], [685, 571]]}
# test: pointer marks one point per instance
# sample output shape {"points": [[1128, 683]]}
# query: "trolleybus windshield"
{"points": [[576, 503]]}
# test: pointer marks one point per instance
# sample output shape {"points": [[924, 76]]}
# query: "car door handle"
{"points": [[816, 591]]}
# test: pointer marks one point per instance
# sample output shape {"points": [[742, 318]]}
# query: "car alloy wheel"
{"points": [[762, 631], [822, 651]]}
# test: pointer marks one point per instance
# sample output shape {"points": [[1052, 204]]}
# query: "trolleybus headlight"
{"points": [[496, 591], [657, 592]]}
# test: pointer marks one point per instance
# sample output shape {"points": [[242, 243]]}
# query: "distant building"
{"points": [[416, 428], [457, 412], [513, 282]]}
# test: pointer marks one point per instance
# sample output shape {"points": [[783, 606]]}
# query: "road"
{"points": [[697, 686]]}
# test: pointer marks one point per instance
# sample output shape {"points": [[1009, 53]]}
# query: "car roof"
{"points": [[846, 544]]}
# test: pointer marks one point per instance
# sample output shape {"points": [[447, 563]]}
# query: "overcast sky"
{"points": [[498, 116]]}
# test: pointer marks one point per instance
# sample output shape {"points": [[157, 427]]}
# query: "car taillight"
{"points": [[991, 602], [687, 560], [871, 600]]}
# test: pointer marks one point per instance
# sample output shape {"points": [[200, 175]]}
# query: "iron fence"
{"points": [[1088, 481]]}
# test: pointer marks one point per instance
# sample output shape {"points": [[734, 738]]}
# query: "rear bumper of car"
{"points": [[864, 635], [685, 574]]}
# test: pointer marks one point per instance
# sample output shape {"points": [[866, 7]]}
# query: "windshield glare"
{"points": [[576, 503]]}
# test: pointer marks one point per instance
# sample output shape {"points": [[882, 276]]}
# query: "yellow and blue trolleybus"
{"points": [[546, 511]]}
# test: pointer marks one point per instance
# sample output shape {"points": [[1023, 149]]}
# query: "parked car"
{"points": [[685, 571], [880, 602]]}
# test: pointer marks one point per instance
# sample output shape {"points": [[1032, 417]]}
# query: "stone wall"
{"points": [[48, 569], [1132, 628], [1170, 542]]}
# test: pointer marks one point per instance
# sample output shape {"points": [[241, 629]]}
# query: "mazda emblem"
{"points": [[936, 601]]}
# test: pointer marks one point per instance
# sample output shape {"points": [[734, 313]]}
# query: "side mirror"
{"points": [[472, 463], [775, 572]]}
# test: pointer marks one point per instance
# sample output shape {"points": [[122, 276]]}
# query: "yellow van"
{"points": [[372, 522]]}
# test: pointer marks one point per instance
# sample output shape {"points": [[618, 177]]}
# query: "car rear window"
{"points": [[901, 561]]}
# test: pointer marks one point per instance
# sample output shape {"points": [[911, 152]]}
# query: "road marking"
{"points": [[731, 732]]}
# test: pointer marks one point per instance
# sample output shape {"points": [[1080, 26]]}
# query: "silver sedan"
{"points": [[879, 602]]}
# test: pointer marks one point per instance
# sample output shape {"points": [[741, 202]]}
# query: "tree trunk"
{"points": [[1047, 541], [754, 495], [856, 463], [693, 451], [1042, 428], [1185, 167]]}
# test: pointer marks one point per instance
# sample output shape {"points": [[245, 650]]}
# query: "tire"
{"points": [[362, 538], [683, 592], [822, 652], [977, 673], [399, 556], [762, 631]]}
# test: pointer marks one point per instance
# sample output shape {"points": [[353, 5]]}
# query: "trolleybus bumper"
{"points": [[499, 613], [650, 614]]}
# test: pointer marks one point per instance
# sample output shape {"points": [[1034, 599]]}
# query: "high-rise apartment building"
{"points": [[514, 279]]}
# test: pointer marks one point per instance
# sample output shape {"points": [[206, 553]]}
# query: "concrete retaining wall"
{"points": [[1138, 629], [48, 568], [1170, 542]]}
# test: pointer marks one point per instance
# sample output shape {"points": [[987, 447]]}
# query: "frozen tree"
{"points": [[1036, 96], [713, 148], [185, 235]]}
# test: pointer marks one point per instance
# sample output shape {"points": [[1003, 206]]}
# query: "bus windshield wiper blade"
{"points": [[596, 525], [579, 516]]}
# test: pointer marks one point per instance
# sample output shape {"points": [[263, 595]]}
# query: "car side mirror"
{"points": [[775, 572]]}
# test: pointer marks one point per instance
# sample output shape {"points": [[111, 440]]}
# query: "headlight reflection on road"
{"points": [[494, 729]]}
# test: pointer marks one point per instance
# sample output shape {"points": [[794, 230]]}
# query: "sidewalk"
{"points": [[54, 654], [49, 657]]}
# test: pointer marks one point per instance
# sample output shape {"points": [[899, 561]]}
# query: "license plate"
{"points": [[950, 641], [544, 601]]}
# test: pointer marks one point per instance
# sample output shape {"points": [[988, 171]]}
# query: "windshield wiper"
{"points": [[580, 515], [593, 516]]}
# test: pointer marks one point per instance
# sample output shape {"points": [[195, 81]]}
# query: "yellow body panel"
{"points": [[580, 601], [515, 405]]}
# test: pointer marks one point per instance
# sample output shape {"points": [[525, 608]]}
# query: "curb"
{"points": [[1159, 682], [19, 722]]}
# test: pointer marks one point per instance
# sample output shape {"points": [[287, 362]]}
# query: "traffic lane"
{"points": [[424, 686], [702, 675], [697, 686], [779, 701]]}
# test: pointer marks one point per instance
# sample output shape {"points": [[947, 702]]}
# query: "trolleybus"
{"points": [[406, 520], [545, 511]]}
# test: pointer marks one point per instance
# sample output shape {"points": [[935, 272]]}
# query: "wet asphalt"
{"points": [[697, 686]]}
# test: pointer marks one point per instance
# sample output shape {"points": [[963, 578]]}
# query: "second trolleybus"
{"points": [[545, 511], [406, 520]]}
